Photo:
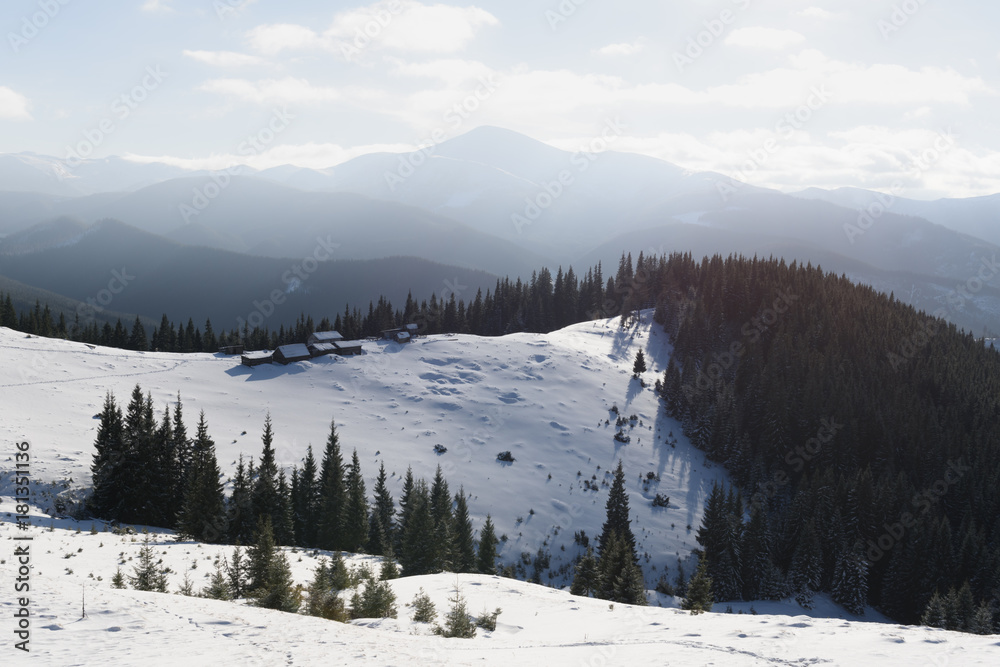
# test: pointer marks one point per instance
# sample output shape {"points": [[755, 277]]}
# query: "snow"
{"points": [[544, 397], [538, 625]]}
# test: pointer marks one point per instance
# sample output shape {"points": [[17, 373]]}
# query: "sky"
{"points": [[891, 95]]}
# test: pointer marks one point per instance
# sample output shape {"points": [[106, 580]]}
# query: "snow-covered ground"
{"points": [[543, 397], [538, 625]]}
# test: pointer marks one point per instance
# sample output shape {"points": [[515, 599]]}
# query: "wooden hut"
{"points": [[287, 354]]}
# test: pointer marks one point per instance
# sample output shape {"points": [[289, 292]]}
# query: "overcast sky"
{"points": [[781, 93]]}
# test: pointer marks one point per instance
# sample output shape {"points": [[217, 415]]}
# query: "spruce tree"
{"points": [[441, 512], [850, 581], [278, 590], [381, 531], [699, 591], [204, 513], [305, 502], [356, 510], [236, 572], [218, 586], [617, 515], [586, 581], [148, 575], [261, 555], [181, 452], [240, 512], [417, 555], [265, 499], [639, 366], [465, 548], [108, 467], [486, 559], [332, 495], [457, 622], [404, 508], [324, 597]]}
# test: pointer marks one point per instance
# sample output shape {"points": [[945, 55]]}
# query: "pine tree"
{"points": [[381, 531], [465, 549], [138, 341], [374, 599], [850, 581], [404, 508], [441, 513], [486, 560], [982, 620], [218, 586], [236, 573], [181, 452], [108, 467], [147, 574], [240, 512], [265, 500], [585, 581], [934, 614], [261, 556], [423, 608], [639, 366], [305, 502], [417, 555], [204, 513], [324, 597], [278, 590], [617, 516], [807, 567], [457, 622], [699, 591], [332, 495], [356, 510]]}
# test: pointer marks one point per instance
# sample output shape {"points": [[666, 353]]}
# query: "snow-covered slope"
{"points": [[546, 398], [537, 625]]}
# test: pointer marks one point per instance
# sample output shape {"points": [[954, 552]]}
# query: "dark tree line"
{"points": [[865, 435], [152, 473], [540, 304]]}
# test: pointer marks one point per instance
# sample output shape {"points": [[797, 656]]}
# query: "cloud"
{"points": [[13, 105], [397, 25], [622, 49], [273, 39], [156, 6], [272, 91], [816, 13], [764, 38], [224, 58]]}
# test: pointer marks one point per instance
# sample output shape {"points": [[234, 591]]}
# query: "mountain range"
{"points": [[492, 201]]}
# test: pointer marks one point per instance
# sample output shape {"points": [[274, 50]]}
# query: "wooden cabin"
{"points": [[287, 354], [256, 358]]}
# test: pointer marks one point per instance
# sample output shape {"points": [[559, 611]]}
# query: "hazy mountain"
{"points": [[30, 172], [976, 216], [184, 281]]}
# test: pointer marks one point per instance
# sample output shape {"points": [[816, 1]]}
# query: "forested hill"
{"points": [[866, 433]]}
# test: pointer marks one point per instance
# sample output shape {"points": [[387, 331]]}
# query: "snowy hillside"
{"points": [[545, 398], [537, 625]]}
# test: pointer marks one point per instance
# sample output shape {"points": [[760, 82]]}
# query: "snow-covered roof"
{"points": [[294, 350], [412, 327], [258, 354], [402, 335], [323, 347], [342, 344], [325, 336]]}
